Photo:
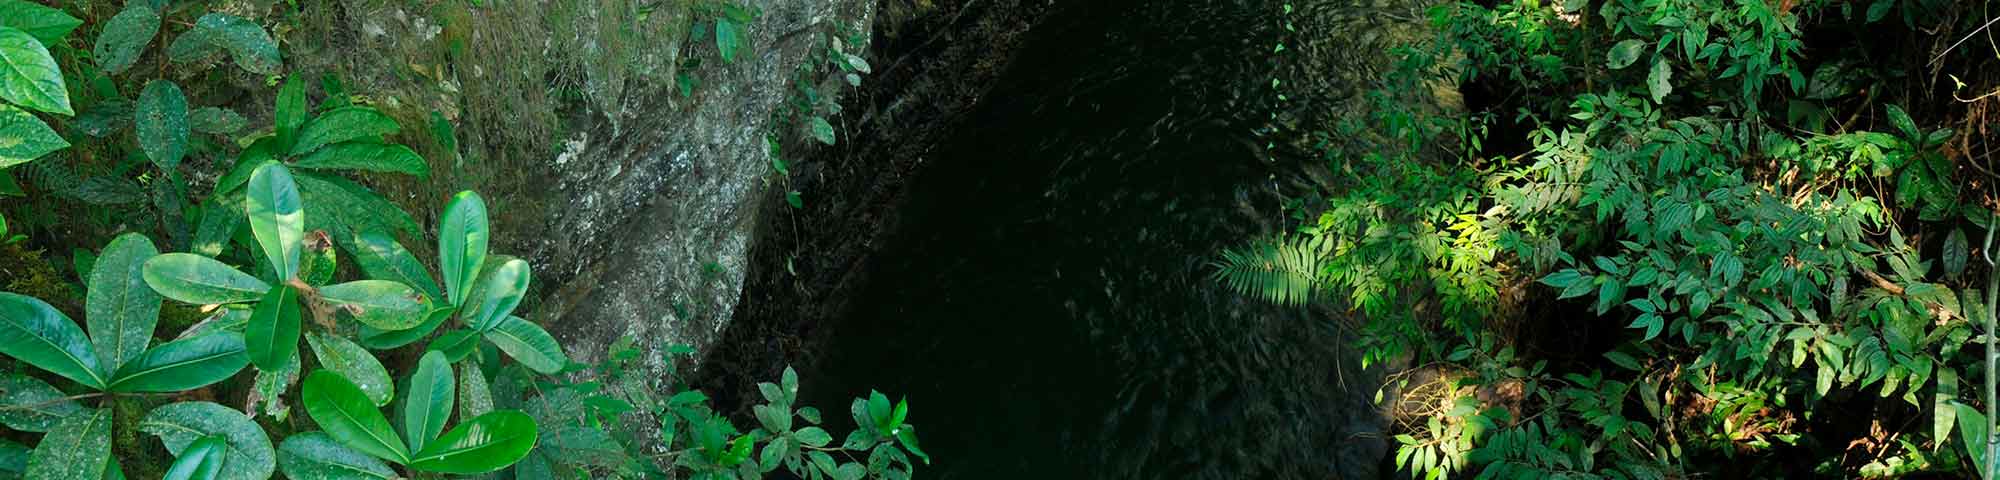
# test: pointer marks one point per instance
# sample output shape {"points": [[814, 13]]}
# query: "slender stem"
{"points": [[1992, 354]]}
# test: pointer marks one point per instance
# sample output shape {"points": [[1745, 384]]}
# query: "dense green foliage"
{"points": [[1788, 250], [284, 249]]}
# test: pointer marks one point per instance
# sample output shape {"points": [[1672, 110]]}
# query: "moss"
{"points": [[176, 317], [139, 454], [28, 272]]}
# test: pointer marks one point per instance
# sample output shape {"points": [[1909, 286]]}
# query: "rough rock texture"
{"points": [[635, 203]]}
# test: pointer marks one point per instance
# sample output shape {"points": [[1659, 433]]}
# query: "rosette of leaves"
{"points": [[356, 437], [30, 80], [341, 138], [116, 357], [482, 290], [275, 326]]}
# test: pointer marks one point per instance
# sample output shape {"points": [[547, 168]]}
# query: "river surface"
{"points": [[1046, 303]]}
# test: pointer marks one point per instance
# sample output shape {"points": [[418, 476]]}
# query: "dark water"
{"points": [[1046, 303]]}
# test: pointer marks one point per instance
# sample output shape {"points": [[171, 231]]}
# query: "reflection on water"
{"points": [[1047, 295]]}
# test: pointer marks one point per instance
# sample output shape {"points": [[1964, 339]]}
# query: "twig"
{"points": [[1968, 36]]}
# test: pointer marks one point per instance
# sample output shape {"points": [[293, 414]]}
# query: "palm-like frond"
{"points": [[1282, 270]]}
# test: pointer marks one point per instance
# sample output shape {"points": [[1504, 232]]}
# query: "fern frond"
{"points": [[1282, 270]]}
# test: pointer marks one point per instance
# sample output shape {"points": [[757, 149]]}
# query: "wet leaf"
{"points": [[273, 331], [382, 304], [356, 364], [200, 280], [120, 309], [249, 454], [29, 77], [202, 460], [462, 238], [184, 364], [527, 343], [429, 402], [34, 332], [276, 218], [499, 291], [125, 37], [315, 455], [31, 405], [484, 444], [79, 447], [349, 417]]}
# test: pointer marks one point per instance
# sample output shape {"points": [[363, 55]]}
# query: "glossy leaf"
{"points": [[354, 363], [455, 344], [484, 444], [34, 332], [317, 456], [462, 238], [371, 157], [47, 24], [249, 454], [78, 448], [529, 344], [276, 218], [29, 77], [273, 331], [24, 138], [379, 339], [290, 112], [429, 403], [341, 125], [190, 278], [200, 461], [119, 308], [184, 364], [381, 304], [29, 404], [125, 37], [348, 416], [499, 292], [381, 257]]}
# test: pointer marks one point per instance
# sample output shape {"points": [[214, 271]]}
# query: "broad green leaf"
{"points": [[499, 291], [462, 237], [1659, 82], [727, 39], [13, 459], [276, 218], [247, 43], [348, 416], [1972, 428], [907, 435], [216, 121], [273, 332], [31, 405], [125, 37], [381, 257], [455, 344], [484, 444], [120, 309], [813, 436], [317, 456], [34, 332], [1944, 416], [29, 77], [202, 460], [354, 363], [382, 304], [475, 396], [1904, 125], [252, 158], [1955, 254], [78, 448], [372, 157], [1623, 54], [343, 207], [190, 278], [249, 454], [527, 343], [291, 112], [47, 24], [341, 125], [184, 364], [429, 402], [380, 339], [823, 131], [24, 138]]}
